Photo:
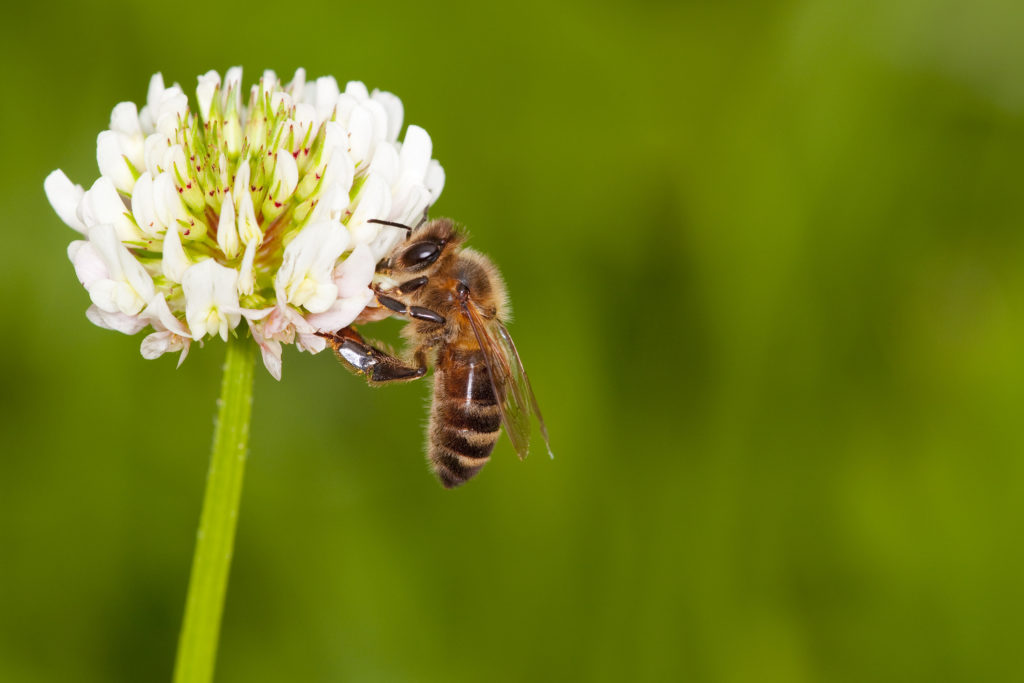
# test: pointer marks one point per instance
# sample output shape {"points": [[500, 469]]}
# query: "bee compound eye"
{"points": [[420, 255]]}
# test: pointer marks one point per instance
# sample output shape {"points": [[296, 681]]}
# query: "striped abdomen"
{"points": [[464, 419]]}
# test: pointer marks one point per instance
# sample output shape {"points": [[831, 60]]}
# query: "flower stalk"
{"points": [[211, 563]]}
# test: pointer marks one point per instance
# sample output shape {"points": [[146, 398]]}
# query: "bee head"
{"points": [[423, 247]]}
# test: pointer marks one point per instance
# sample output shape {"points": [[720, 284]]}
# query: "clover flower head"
{"points": [[254, 210]]}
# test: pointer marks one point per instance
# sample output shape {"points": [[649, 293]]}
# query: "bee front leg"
{"points": [[379, 366]]}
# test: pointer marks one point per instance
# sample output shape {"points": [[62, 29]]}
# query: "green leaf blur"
{"points": [[766, 264]]}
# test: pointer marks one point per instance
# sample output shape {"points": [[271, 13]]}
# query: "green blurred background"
{"points": [[766, 263]]}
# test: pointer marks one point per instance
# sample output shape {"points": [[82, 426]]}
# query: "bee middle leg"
{"points": [[414, 312], [378, 366]]}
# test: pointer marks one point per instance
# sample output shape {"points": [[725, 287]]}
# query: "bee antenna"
{"points": [[392, 224], [423, 219]]}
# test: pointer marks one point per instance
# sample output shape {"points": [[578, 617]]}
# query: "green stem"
{"points": [[197, 647]]}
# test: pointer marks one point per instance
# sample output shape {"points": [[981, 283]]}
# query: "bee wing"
{"points": [[522, 383], [512, 389]]}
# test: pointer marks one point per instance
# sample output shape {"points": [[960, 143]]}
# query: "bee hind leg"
{"points": [[378, 366]]}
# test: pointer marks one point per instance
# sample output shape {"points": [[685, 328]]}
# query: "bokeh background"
{"points": [[766, 261]]}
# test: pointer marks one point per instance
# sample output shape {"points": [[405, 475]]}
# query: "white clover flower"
{"points": [[258, 212]]}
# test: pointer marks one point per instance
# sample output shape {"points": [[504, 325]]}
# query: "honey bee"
{"points": [[454, 299]]}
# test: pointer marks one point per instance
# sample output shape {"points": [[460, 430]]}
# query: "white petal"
{"points": [[298, 83], [89, 267], [379, 116], [280, 99], [333, 243], [156, 344], [155, 151], [248, 229], [246, 281], [299, 323], [103, 238], [324, 209], [64, 196], [270, 350], [323, 296], [395, 111], [434, 180], [205, 92], [126, 299], [326, 96], [346, 104], [156, 90], [385, 163], [144, 206], [341, 313], [227, 232], [277, 325], [353, 275], [147, 117], [386, 241], [254, 314], [160, 316], [304, 119], [232, 93], [159, 343], [272, 358], [415, 155], [167, 124], [373, 201], [119, 322], [110, 158], [175, 261], [409, 207], [225, 294], [138, 279], [129, 286], [173, 108], [358, 90], [304, 278], [336, 183], [286, 176], [102, 204], [360, 134], [303, 250], [310, 343], [166, 200], [105, 295], [178, 165], [124, 120], [340, 171], [211, 300], [242, 179], [267, 82]]}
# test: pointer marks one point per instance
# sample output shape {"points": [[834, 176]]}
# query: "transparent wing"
{"points": [[522, 382], [512, 389]]}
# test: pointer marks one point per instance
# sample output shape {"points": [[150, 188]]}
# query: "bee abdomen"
{"points": [[464, 421], [456, 460]]}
